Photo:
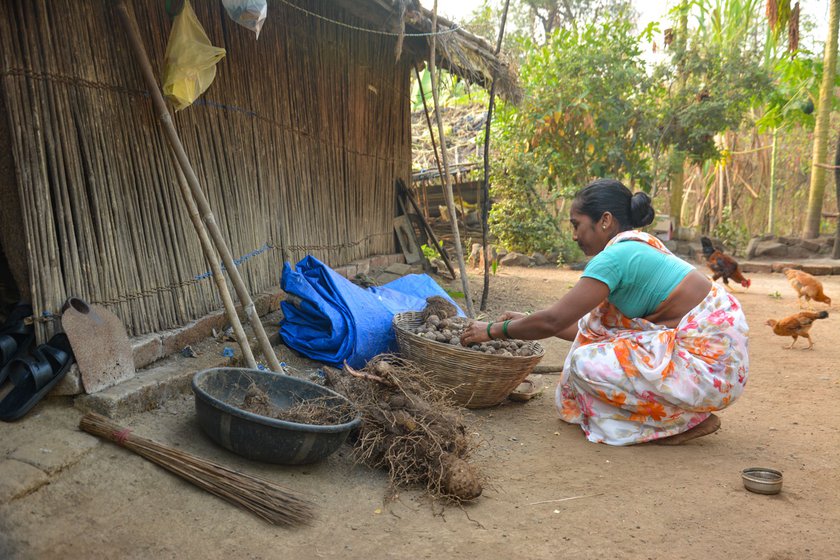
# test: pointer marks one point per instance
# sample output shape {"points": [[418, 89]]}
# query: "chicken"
{"points": [[806, 286], [722, 265], [797, 325]]}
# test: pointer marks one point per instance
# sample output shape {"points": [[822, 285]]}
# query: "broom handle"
{"points": [[98, 425], [192, 180]]}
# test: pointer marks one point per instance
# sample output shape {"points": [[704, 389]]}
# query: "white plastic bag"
{"points": [[250, 14]]}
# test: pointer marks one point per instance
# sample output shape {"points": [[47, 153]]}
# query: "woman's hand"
{"points": [[475, 333], [511, 316]]}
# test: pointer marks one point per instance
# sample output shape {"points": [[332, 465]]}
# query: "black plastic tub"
{"points": [[258, 437]]}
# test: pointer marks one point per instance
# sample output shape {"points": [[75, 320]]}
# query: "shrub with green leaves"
{"points": [[585, 114]]}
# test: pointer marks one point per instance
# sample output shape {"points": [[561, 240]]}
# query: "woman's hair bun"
{"points": [[641, 210]]}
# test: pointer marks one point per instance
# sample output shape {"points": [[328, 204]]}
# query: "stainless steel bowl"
{"points": [[762, 480]]}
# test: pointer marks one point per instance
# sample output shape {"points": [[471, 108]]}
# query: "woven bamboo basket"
{"points": [[476, 380]]}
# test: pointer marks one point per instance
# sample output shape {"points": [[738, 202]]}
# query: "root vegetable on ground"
{"points": [[410, 428]]}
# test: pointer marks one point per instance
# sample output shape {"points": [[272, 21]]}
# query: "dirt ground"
{"points": [[552, 493]]}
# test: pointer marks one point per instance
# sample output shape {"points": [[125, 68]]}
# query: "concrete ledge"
{"points": [[817, 267], [752, 266], [151, 389]]}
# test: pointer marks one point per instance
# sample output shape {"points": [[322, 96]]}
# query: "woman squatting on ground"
{"points": [[657, 346]]}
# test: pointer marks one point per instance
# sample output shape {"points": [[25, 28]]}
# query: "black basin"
{"points": [[258, 437]]}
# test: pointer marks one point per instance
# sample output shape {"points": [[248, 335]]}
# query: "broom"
{"points": [[273, 503]]}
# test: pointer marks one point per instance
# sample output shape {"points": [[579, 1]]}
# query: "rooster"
{"points": [[797, 325], [722, 265], [806, 286]]}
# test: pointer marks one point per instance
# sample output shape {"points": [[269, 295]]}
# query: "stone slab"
{"points": [[818, 269], [384, 277], [18, 479], [779, 266], [749, 266], [398, 268]]}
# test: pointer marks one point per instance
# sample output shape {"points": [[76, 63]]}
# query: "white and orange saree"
{"points": [[629, 381]]}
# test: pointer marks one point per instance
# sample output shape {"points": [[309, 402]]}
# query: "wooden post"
{"points": [[180, 154], [450, 202], [485, 185]]}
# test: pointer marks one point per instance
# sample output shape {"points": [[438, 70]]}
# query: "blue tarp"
{"points": [[333, 320]]}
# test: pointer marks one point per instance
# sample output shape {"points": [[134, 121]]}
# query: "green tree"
{"points": [[789, 104], [714, 76], [817, 189], [585, 114], [534, 21]]}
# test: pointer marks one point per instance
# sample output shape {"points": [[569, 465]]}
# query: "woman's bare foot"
{"points": [[708, 426]]}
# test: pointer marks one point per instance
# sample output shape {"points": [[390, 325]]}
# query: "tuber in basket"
{"points": [[477, 380]]}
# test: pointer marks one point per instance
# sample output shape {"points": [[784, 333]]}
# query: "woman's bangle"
{"points": [[490, 324], [504, 328]]}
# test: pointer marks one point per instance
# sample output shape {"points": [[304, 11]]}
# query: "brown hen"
{"points": [[722, 265], [806, 286], [797, 325]]}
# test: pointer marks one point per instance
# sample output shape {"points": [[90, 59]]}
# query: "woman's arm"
{"points": [[558, 320]]}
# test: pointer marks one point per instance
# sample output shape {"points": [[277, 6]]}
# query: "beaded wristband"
{"points": [[490, 324], [504, 328]]}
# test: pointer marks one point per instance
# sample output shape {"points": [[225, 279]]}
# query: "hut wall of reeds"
{"points": [[297, 144]]}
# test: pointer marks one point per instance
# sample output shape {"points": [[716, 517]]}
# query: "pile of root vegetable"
{"points": [[449, 330], [409, 428]]}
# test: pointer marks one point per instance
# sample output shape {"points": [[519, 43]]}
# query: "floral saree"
{"points": [[629, 381]]}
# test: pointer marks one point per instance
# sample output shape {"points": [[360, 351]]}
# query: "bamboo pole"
{"points": [[180, 154], [450, 202], [218, 277], [485, 185]]}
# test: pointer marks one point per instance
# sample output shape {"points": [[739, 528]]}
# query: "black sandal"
{"points": [[35, 376], [15, 337]]}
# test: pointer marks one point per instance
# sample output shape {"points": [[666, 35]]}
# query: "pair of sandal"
{"points": [[32, 376]]}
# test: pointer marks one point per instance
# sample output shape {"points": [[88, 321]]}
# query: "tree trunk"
{"points": [[677, 158], [836, 253], [817, 190], [677, 166], [771, 217]]}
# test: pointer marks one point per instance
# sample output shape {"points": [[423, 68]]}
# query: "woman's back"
{"points": [[639, 276]]}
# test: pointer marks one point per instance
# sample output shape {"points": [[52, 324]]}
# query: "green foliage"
{"points": [[523, 225], [796, 86], [714, 94], [585, 114], [428, 252], [733, 235], [533, 22], [453, 91]]}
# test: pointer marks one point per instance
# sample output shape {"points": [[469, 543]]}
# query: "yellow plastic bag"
{"points": [[189, 65]]}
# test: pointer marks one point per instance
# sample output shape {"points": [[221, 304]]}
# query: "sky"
{"points": [[650, 10]]}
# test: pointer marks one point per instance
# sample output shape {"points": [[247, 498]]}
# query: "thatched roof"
{"points": [[457, 50]]}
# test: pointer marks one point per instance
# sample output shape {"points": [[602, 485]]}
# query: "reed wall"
{"points": [[297, 145]]}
